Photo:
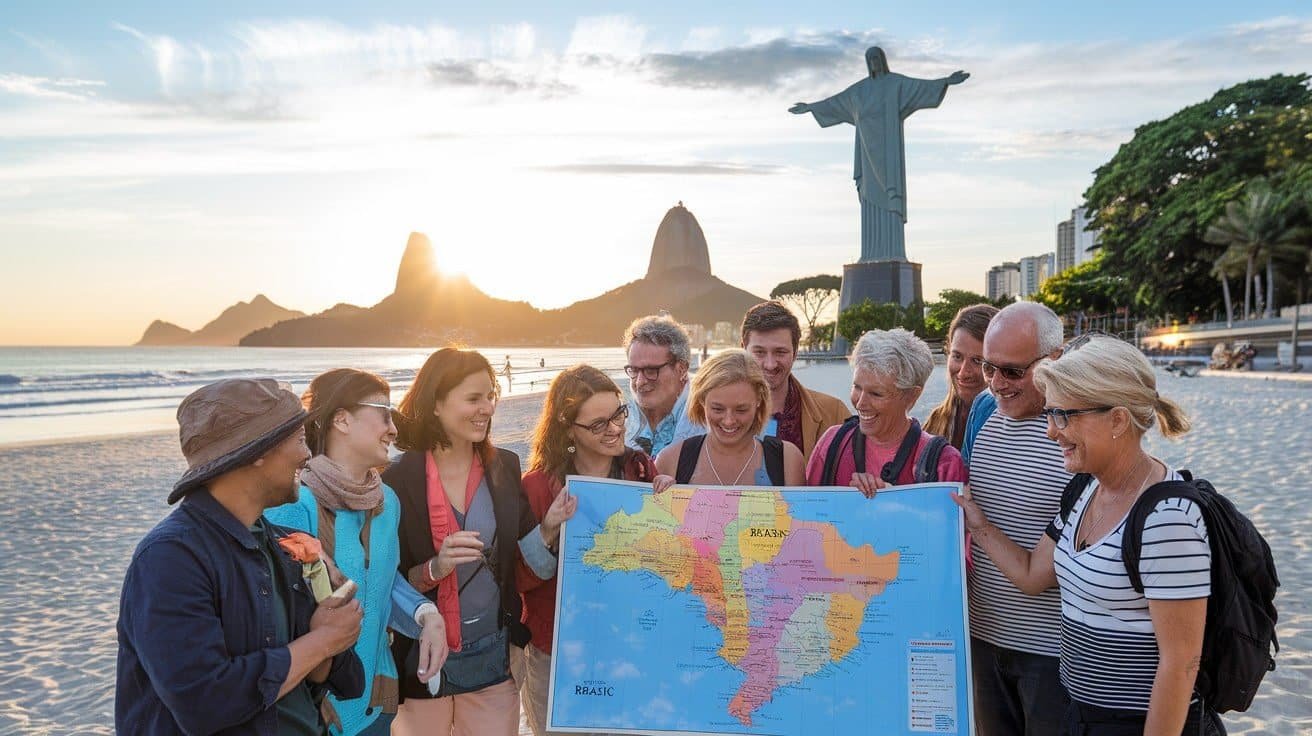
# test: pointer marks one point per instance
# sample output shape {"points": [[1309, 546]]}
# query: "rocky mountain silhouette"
{"points": [[227, 329], [428, 307]]}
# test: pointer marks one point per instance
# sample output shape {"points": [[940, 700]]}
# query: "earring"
{"points": [[570, 449]]}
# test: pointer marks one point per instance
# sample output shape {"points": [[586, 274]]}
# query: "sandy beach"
{"points": [[73, 513]]}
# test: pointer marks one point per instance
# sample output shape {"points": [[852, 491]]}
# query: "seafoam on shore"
{"points": [[71, 515]]}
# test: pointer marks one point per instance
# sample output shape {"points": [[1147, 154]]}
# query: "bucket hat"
{"points": [[231, 423]]}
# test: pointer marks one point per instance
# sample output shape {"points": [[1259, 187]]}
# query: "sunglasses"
{"points": [[621, 414], [1010, 372], [1061, 418], [388, 408], [649, 372]]}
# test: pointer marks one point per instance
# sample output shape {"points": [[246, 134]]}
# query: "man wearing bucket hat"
{"points": [[218, 632]]}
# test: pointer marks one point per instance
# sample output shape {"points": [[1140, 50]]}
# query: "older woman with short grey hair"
{"points": [[889, 371]]}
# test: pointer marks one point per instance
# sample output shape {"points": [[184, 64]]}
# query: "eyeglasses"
{"points": [[387, 408], [599, 426], [1009, 372], [1061, 418], [649, 372], [1079, 342]]}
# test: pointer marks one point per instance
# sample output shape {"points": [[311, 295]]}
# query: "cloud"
{"points": [[698, 169], [487, 74], [62, 88], [607, 36], [624, 671]]}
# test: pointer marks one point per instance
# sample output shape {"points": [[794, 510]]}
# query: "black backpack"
{"points": [[771, 447], [926, 470], [1240, 636]]}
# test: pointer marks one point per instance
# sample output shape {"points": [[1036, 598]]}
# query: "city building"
{"points": [[1076, 244], [1003, 281], [1034, 270]]}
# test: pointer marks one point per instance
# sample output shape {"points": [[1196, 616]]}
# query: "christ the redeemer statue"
{"points": [[876, 106]]}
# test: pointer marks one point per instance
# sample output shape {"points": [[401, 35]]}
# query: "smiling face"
{"points": [[363, 434], [881, 407], [773, 351], [730, 412], [964, 356], [466, 411], [280, 469], [1014, 345], [601, 408], [1087, 443], [655, 395]]}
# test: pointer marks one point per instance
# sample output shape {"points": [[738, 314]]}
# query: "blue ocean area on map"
{"points": [[761, 611]]}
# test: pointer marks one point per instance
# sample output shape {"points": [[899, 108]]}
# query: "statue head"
{"points": [[876, 61]]}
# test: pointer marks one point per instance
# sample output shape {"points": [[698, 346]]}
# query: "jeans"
{"points": [[1016, 693], [1092, 720]]}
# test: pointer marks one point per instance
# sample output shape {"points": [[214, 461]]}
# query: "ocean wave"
{"points": [[8, 380]]}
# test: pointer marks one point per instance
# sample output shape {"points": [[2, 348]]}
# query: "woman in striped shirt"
{"points": [[1128, 659]]}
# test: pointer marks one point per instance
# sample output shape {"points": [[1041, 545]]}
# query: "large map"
{"points": [[761, 611]]}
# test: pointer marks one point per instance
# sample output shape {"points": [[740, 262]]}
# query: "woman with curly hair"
{"points": [[580, 432]]}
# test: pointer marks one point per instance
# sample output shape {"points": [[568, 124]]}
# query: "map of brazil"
{"points": [[761, 611]]}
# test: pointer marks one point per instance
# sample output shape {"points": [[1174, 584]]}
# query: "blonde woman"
{"points": [[1128, 659], [731, 399]]}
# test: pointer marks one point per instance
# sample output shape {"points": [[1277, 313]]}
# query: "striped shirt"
{"points": [[1016, 477], [1108, 649]]}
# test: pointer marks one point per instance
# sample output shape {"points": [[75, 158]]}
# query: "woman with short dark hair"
{"points": [[466, 531]]}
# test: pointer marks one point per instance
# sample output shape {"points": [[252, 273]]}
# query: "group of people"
{"points": [[451, 550]]}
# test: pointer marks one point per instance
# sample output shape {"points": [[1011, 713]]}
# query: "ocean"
{"points": [[58, 393]]}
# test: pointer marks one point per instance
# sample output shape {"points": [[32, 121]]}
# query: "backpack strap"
{"points": [[910, 441], [926, 470], [1132, 537], [773, 450], [845, 431], [688, 452], [1071, 493]]}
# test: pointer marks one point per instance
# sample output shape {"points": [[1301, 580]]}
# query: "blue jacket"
{"points": [[980, 411], [387, 598], [196, 638]]}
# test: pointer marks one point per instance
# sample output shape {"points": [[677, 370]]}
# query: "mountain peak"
{"points": [[418, 270], [679, 244]]}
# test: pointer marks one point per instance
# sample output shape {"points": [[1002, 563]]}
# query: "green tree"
{"points": [[810, 296], [859, 319], [821, 336], [1154, 200], [1088, 287], [1254, 228], [939, 314]]}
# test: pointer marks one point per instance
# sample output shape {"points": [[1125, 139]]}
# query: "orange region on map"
{"points": [[748, 561]]}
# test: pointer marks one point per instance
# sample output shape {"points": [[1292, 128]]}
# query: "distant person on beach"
{"points": [[731, 399], [1128, 659], [580, 432], [965, 353], [771, 335], [1016, 476], [889, 371], [658, 357], [218, 629], [505, 371], [467, 533], [344, 502]]}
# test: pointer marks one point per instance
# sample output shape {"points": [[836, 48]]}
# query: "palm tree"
{"points": [[1225, 267], [1253, 228]]}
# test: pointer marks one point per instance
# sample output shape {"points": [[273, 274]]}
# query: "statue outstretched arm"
{"points": [[827, 112], [800, 108], [957, 77]]}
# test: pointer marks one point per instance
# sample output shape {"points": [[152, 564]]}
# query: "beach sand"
{"points": [[72, 513]]}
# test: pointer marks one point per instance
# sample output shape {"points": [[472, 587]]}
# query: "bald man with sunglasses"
{"points": [[1016, 472]]}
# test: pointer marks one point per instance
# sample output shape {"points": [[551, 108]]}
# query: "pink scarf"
{"points": [[442, 521]]}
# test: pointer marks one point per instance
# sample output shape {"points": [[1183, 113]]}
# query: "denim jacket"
{"points": [[197, 652]]}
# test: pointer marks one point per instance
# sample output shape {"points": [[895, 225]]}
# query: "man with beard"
{"points": [[771, 335], [218, 631]]}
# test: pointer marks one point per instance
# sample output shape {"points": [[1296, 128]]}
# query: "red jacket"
{"points": [[539, 596]]}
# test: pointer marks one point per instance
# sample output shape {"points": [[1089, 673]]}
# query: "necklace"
{"points": [[706, 448], [1083, 545]]}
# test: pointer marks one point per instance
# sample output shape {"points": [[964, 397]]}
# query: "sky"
{"points": [[166, 160]]}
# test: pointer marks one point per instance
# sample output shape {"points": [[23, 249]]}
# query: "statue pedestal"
{"points": [[880, 282]]}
